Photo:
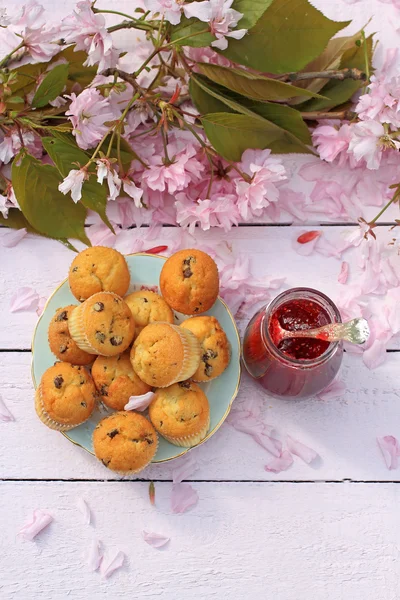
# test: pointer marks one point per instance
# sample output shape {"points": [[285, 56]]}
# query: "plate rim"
{"points": [[210, 433]]}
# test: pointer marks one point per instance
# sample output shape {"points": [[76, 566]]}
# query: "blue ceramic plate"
{"points": [[145, 271]]}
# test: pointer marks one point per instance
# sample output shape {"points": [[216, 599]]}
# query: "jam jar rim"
{"points": [[295, 362]]}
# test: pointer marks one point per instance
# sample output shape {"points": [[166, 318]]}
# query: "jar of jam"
{"points": [[295, 367]]}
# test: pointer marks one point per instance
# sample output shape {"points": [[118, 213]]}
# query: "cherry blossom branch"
{"points": [[7, 57], [394, 199], [130, 25], [340, 74], [315, 115]]}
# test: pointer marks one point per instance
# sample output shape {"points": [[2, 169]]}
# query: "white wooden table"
{"points": [[325, 533]]}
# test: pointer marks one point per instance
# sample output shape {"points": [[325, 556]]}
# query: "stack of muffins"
{"points": [[112, 347]]}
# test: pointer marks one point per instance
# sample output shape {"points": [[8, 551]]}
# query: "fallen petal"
{"points": [[156, 540], [301, 450], [139, 402], [5, 414], [24, 299], [185, 469], [280, 464], [112, 565], [40, 520], [336, 389], [375, 355], [12, 238], [183, 497], [344, 272], [94, 555], [390, 449], [41, 305], [304, 244], [84, 509]]}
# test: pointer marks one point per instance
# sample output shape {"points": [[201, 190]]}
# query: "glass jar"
{"points": [[295, 368]]}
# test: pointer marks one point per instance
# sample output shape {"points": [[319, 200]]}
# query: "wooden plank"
{"points": [[285, 541], [342, 431]]}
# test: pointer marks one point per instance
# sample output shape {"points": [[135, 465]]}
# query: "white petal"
{"points": [[156, 540], [116, 562], [84, 509], [200, 10], [94, 555], [5, 414], [25, 298], [139, 402], [40, 519]]}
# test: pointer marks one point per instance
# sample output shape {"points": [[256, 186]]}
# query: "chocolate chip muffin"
{"points": [[189, 281], [103, 324], [215, 349], [60, 341], [163, 354], [125, 442], [147, 307], [98, 269], [116, 381], [181, 414], [65, 397]]}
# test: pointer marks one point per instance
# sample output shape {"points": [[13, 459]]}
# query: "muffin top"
{"points": [[98, 269], [67, 393], [125, 442], [116, 380], [107, 322], [189, 281], [158, 354], [215, 350], [180, 410], [61, 343], [146, 307]]}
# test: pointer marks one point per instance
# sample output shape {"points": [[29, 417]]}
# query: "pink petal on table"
{"points": [[375, 355], [304, 243], [84, 509], [271, 444], [101, 235], [25, 298], [390, 449], [280, 464], [183, 497], [327, 248], [139, 402], [41, 305], [12, 238], [116, 562], [301, 450], [156, 540], [258, 430], [344, 272], [185, 469], [334, 390], [94, 555], [5, 414], [40, 520]]}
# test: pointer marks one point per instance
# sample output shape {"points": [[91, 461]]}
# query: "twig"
{"points": [[340, 74], [346, 115]]}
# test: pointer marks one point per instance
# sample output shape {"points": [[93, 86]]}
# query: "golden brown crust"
{"points": [[189, 281], [98, 269], [161, 355], [60, 341], [67, 394], [215, 349], [125, 442], [147, 307], [181, 412], [116, 381], [103, 324]]}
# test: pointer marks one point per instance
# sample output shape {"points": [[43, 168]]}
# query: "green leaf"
{"points": [[77, 72], [189, 27], [252, 10], [288, 35], [65, 155], [15, 100], [232, 134], [253, 86], [338, 92], [16, 220], [127, 153], [48, 210], [51, 86]]}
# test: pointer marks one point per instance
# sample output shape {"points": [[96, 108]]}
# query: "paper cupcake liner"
{"points": [[189, 440], [45, 417], [191, 355], [133, 471]]}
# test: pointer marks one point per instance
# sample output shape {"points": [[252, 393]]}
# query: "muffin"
{"points": [[146, 307], [125, 442], [189, 281], [163, 354], [98, 269], [215, 350], [65, 397], [181, 414], [103, 324], [116, 381], [60, 341]]}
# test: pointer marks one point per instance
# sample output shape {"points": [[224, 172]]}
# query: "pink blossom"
{"points": [[73, 183], [368, 140], [105, 169], [173, 177], [332, 140], [138, 115], [219, 211], [7, 149], [390, 449], [169, 9], [88, 114], [222, 19], [276, 465], [265, 173], [133, 191], [134, 59], [11, 144]]}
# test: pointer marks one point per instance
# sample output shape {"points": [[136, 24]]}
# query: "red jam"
{"points": [[297, 367]]}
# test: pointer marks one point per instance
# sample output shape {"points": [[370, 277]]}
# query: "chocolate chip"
{"points": [[84, 404], [149, 439], [62, 349], [208, 369], [189, 260], [81, 381], [106, 462], [58, 381], [98, 306], [196, 309], [161, 423], [144, 299], [187, 273], [100, 337], [104, 390], [62, 316], [113, 433], [116, 300], [209, 354], [116, 340], [184, 384], [74, 270]]}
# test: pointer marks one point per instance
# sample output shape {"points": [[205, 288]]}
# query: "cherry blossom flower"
{"points": [[133, 191], [175, 176], [219, 211], [169, 9], [222, 19], [332, 140], [105, 169], [368, 141], [12, 144], [73, 183], [88, 114]]}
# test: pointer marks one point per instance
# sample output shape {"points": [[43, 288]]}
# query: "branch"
{"points": [[342, 114], [130, 25], [341, 74]]}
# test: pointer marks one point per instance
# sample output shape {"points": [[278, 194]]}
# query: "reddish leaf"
{"points": [[308, 237]]}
